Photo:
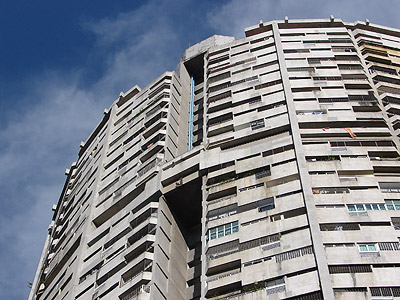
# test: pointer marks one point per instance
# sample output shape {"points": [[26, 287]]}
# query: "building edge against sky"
{"points": [[262, 168]]}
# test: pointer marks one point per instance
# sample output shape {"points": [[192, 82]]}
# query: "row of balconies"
{"points": [[142, 151], [249, 274], [357, 255], [138, 254]]}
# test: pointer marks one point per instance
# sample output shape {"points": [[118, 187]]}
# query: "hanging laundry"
{"points": [[352, 134]]}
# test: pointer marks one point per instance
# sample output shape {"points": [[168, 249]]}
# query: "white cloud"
{"points": [[236, 15], [39, 143], [42, 138], [144, 43]]}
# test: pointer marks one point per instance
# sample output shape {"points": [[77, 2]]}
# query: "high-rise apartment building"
{"points": [[263, 168]]}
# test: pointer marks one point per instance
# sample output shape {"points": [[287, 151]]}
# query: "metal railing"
{"points": [[148, 167], [136, 292], [227, 274], [146, 268]]}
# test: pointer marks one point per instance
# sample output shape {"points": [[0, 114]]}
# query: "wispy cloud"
{"points": [[41, 139], [144, 43], [37, 144], [235, 15], [61, 107]]}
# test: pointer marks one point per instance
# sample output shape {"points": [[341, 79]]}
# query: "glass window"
{"points": [[220, 231], [375, 207], [228, 229], [368, 248], [396, 204], [382, 206], [235, 227], [368, 206], [266, 207], [213, 233], [351, 207], [360, 207], [389, 204], [363, 248]]}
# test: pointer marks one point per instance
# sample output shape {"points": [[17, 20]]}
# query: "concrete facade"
{"points": [[262, 168]]}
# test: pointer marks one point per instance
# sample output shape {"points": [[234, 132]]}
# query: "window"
{"points": [[228, 229], [266, 204], [392, 204], [257, 124], [266, 207], [357, 210], [368, 248], [351, 207], [222, 230], [235, 227], [213, 233], [355, 207]]}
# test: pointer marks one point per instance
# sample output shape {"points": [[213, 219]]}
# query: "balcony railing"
{"points": [[136, 292], [266, 243], [269, 291], [148, 167], [223, 275], [220, 199], [146, 268], [275, 289]]}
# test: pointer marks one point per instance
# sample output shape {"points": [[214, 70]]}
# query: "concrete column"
{"points": [[203, 238], [316, 237]]}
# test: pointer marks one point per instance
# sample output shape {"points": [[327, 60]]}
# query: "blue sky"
{"points": [[63, 62]]}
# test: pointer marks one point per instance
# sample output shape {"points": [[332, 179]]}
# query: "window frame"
{"points": [[368, 247]]}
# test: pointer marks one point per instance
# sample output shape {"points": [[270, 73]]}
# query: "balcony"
{"points": [[154, 118], [222, 189], [152, 147], [149, 167], [154, 127], [137, 292], [142, 246], [223, 282], [156, 109], [223, 275], [138, 269], [147, 229], [389, 187], [215, 124]]}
